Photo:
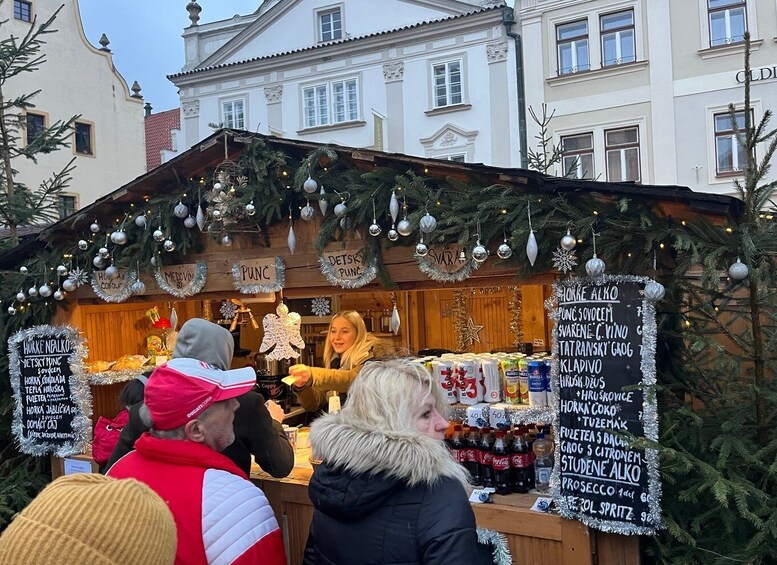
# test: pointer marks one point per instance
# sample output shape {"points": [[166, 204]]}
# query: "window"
{"points": [[35, 125], [446, 79], [456, 157], [84, 142], [728, 22], [730, 156], [330, 25], [578, 156], [67, 205], [622, 153], [333, 103], [617, 31], [233, 114], [572, 41], [22, 10]]}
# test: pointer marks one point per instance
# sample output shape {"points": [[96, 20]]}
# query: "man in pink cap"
{"points": [[221, 517]]}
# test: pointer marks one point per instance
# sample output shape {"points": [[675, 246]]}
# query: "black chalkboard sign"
{"points": [[600, 357], [53, 402]]}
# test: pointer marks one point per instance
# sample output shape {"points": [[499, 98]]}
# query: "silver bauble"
{"points": [[217, 185], [531, 248], [307, 213], [375, 230], [138, 287], [226, 241], [340, 210], [404, 227], [181, 210], [45, 291], [394, 206], [32, 291], [112, 272], [20, 296], [594, 267], [428, 223], [344, 223], [190, 222], [738, 270], [23, 270], [61, 270], [11, 310], [69, 285], [154, 261], [140, 221], [103, 252], [113, 236], [59, 295], [98, 262], [83, 245], [504, 251], [169, 245], [479, 253], [310, 185], [568, 242], [250, 209], [322, 203], [392, 235], [654, 291], [421, 249], [213, 227], [216, 215], [95, 227], [158, 235], [120, 238]]}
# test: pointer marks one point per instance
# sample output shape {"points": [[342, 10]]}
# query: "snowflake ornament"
{"points": [[228, 310], [78, 276], [281, 331], [564, 260], [320, 307]]}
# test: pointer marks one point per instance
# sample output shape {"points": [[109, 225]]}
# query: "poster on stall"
{"points": [[53, 402], [604, 374]]}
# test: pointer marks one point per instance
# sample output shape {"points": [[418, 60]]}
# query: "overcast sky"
{"points": [[146, 41]]}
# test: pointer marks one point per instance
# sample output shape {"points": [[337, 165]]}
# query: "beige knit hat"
{"points": [[90, 518]]}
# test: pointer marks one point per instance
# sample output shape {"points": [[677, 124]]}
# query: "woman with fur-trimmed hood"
{"points": [[388, 490]]}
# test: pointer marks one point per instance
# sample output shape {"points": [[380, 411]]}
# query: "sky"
{"points": [[146, 41]]}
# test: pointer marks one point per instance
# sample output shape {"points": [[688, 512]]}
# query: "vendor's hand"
{"points": [[276, 412], [302, 375]]}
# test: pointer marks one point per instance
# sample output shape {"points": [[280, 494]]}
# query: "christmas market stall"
{"points": [[534, 299]]}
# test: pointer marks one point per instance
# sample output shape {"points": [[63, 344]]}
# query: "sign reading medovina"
{"points": [[604, 372], [52, 398]]}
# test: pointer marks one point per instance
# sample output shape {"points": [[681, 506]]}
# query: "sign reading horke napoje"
{"points": [[51, 394], [252, 276], [601, 353], [347, 268]]}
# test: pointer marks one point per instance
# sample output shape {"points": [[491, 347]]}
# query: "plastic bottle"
{"points": [[543, 462], [456, 445], [473, 457], [501, 464], [486, 457], [521, 467]]}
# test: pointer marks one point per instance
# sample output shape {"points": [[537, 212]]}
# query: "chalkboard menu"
{"points": [[604, 350], [53, 402]]}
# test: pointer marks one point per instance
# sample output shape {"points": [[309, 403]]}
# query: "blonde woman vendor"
{"points": [[348, 346]]}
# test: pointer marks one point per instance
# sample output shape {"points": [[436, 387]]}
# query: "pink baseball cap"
{"points": [[182, 389]]}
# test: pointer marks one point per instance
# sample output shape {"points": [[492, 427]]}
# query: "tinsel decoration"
{"points": [[460, 318], [369, 272], [432, 270], [195, 286], [649, 410], [207, 310], [516, 316], [500, 551], [80, 393], [564, 260], [124, 292], [113, 377], [531, 243], [281, 331], [525, 414], [280, 279]]}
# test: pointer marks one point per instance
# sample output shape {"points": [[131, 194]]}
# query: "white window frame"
{"points": [[737, 169], [621, 149], [576, 66], [726, 11], [225, 120], [724, 178], [449, 93], [618, 33], [455, 157], [325, 103], [323, 12], [577, 154], [705, 39]]}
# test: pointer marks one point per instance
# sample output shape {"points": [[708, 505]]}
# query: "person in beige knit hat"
{"points": [[90, 518]]}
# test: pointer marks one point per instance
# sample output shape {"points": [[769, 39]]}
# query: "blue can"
{"points": [[537, 395]]}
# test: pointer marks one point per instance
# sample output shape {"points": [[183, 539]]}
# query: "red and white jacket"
{"points": [[221, 517]]}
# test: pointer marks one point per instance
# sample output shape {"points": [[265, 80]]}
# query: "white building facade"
{"points": [[432, 78], [76, 79], [641, 88]]}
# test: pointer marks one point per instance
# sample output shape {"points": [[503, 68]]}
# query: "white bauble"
{"points": [[421, 249], [344, 223], [392, 234], [138, 287], [61, 270], [98, 262], [307, 212], [169, 245], [341, 209], [374, 230], [120, 238], [250, 209], [69, 285], [404, 227], [158, 235], [45, 291], [112, 272], [59, 295], [394, 206], [190, 222], [594, 267], [103, 252], [95, 227], [20, 296], [23, 270], [140, 221], [32, 291], [310, 185], [217, 185], [226, 241], [738, 270], [531, 248], [181, 210], [428, 223], [154, 261], [83, 245], [479, 253], [11, 310], [654, 291], [568, 242]]}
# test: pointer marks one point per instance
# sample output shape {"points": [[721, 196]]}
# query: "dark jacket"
{"points": [[386, 497]]}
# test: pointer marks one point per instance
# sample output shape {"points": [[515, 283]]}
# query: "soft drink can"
{"points": [[493, 390], [444, 373], [537, 396], [547, 364], [512, 385], [468, 375], [523, 379]]}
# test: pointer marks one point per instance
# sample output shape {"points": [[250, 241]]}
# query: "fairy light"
{"points": [[661, 245], [729, 230]]}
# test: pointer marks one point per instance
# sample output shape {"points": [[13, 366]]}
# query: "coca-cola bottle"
{"points": [[521, 467], [486, 457], [456, 445], [473, 457], [501, 464]]}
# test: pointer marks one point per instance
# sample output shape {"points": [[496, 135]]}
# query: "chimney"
{"points": [[147, 109]]}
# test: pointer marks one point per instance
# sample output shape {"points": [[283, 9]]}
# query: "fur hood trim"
{"points": [[408, 456]]}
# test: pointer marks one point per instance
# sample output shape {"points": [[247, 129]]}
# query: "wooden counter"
{"points": [[534, 538]]}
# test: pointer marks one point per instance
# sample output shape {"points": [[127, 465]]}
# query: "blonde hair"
{"points": [[360, 351], [387, 395]]}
